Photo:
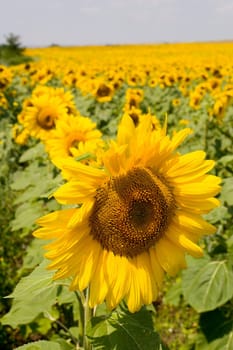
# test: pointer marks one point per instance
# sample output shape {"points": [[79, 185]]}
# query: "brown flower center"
{"points": [[135, 118], [46, 119], [103, 91], [131, 212]]}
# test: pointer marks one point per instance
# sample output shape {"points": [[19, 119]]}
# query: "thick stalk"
{"points": [[88, 313], [205, 141], [81, 302]]}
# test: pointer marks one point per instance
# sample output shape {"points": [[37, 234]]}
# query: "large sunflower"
{"points": [[140, 213]]}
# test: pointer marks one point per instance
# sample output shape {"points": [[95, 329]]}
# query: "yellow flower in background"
{"points": [[5, 76], [184, 122], [152, 82], [43, 109], [103, 91], [195, 99], [22, 137], [134, 113], [40, 118], [64, 96], [19, 134], [136, 77], [219, 107], [137, 116], [176, 102], [133, 98], [3, 102], [72, 137], [132, 219]]}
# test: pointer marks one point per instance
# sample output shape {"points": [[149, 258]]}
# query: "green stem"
{"points": [[205, 135], [50, 317], [81, 326], [85, 314], [88, 313]]}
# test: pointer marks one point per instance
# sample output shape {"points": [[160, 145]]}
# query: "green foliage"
{"points": [[38, 301], [37, 293], [41, 345], [207, 284], [33, 295], [11, 53], [33, 184], [19, 207], [13, 43], [217, 323], [122, 330], [225, 343]]}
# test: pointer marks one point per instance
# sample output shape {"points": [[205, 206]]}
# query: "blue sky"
{"points": [[100, 22]]}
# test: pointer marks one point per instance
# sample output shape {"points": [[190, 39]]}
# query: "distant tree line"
{"points": [[11, 52]]}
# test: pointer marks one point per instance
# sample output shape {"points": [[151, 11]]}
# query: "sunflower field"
{"points": [[116, 187]]}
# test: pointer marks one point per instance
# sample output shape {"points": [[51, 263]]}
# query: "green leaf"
{"points": [[226, 159], [40, 345], [26, 215], [227, 191], [207, 284], [64, 344], [20, 181], [33, 295], [173, 295], [34, 254], [39, 280], [122, 330], [217, 215], [225, 343], [32, 153], [216, 323], [31, 193]]}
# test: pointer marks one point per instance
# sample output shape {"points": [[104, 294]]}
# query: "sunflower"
{"points": [[137, 216], [195, 99], [72, 137], [3, 102], [133, 98], [103, 91], [176, 102], [5, 76], [19, 134], [134, 113], [42, 110], [40, 118], [137, 116]]}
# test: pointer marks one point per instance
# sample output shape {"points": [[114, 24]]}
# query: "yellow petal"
{"points": [[87, 265], [80, 214], [192, 223], [169, 256], [117, 270], [156, 267], [180, 239], [205, 187], [98, 285], [75, 192], [179, 137]]}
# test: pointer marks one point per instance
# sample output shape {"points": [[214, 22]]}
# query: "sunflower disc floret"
{"points": [[131, 212]]}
